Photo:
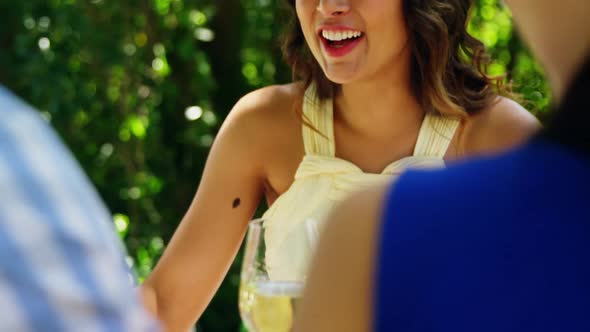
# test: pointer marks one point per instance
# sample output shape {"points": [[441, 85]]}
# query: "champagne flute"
{"points": [[265, 305]]}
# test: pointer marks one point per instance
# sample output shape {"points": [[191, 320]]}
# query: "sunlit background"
{"points": [[138, 89]]}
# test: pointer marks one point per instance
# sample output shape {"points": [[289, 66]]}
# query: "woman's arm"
{"points": [[205, 244]]}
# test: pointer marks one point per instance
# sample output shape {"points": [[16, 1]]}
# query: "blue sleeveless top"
{"points": [[498, 244]]}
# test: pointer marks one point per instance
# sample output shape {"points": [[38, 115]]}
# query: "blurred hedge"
{"points": [[138, 89]]}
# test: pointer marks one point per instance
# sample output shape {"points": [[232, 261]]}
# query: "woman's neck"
{"points": [[387, 103]]}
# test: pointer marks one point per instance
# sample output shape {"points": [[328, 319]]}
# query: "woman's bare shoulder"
{"points": [[499, 127], [271, 101], [264, 129], [268, 109]]}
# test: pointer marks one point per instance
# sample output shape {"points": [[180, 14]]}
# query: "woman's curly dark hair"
{"points": [[448, 64]]}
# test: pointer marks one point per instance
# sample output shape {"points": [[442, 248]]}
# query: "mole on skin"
{"points": [[236, 203]]}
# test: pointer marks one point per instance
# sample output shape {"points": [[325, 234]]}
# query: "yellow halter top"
{"points": [[322, 180]]}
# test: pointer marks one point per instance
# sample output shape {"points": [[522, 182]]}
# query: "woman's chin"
{"points": [[341, 78], [343, 71]]}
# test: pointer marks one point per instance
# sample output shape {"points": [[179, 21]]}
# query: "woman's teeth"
{"points": [[340, 35]]}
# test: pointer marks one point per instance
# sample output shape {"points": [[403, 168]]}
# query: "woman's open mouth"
{"points": [[338, 43]]}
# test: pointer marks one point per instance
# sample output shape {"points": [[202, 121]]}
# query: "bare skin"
{"points": [[338, 298]]}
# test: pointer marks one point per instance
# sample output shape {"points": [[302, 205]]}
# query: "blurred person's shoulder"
{"points": [[18, 113], [429, 209], [26, 130], [502, 125]]}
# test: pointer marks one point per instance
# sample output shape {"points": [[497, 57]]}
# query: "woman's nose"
{"points": [[331, 8]]}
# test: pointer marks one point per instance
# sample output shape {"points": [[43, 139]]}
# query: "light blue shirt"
{"points": [[61, 263]]}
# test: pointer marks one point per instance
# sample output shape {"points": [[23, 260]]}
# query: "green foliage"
{"points": [[491, 23], [138, 89]]}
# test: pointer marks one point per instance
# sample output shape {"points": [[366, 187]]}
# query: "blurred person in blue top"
{"points": [[493, 244], [62, 266]]}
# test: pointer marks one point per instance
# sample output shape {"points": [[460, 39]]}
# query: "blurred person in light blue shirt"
{"points": [[62, 265]]}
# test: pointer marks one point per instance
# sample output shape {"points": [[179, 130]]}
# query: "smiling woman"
{"points": [[446, 65], [383, 36], [385, 86]]}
